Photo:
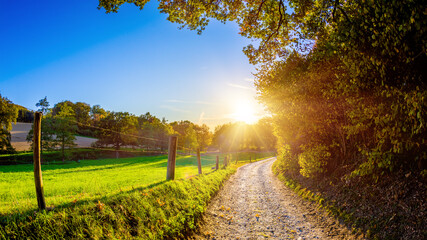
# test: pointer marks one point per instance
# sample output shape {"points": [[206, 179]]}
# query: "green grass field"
{"points": [[92, 179]]}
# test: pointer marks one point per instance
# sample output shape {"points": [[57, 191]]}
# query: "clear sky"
{"points": [[134, 61]]}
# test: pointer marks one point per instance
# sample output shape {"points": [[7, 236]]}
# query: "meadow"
{"points": [[88, 180]]}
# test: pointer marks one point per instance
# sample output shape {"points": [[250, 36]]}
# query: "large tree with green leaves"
{"points": [[153, 132], [187, 137], [65, 127], [203, 135], [8, 115], [57, 130], [118, 129]]}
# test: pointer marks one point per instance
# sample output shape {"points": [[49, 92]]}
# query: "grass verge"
{"points": [[322, 202], [163, 210], [394, 208], [167, 211]]}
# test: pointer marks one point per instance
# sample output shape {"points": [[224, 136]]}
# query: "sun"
{"points": [[245, 113]]}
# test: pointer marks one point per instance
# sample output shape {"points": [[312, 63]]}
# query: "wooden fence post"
{"points": [[250, 158], [173, 142], [37, 165], [199, 162], [237, 157], [217, 162], [225, 161]]}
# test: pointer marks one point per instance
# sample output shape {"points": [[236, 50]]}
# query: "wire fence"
{"points": [[115, 172]]}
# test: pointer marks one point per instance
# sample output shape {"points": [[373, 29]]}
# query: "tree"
{"points": [[48, 142], [25, 115], [82, 116], [154, 132], [204, 136], [8, 115], [57, 131], [187, 138], [43, 105], [58, 107], [118, 129], [82, 112], [64, 127], [97, 113]]}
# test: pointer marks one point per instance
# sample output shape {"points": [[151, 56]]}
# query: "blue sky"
{"points": [[134, 61]]}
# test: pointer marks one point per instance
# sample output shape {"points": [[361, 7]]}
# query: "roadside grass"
{"points": [[91, 179], [125, 205], [167, 211]]}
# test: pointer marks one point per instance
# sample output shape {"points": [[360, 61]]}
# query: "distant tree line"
{"points": [[66, 120]]}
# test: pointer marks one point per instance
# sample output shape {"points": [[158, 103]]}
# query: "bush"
{"points": [[287, 162], [313, 161]]}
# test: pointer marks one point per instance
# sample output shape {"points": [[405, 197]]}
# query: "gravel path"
{"points": [[254, 204]]}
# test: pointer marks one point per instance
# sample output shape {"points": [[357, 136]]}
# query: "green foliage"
{"points": [[57, 129], [25, 115], [154, 128], [117, 130], [8, 115], [192, 136], [286, 161], [169, 210], [313, 160], [43, 105], [203, 135]]}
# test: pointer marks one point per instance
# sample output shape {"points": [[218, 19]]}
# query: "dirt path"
{"points": [[254, 204]]}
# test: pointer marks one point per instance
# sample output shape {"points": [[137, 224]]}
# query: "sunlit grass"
{"points": [[88, 179], [92, 179]]}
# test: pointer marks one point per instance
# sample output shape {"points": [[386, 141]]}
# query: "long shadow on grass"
{"points": [[7, 218]]}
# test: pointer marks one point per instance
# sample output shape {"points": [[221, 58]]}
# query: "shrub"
{"points": [[313, 161], [287, 161]]}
